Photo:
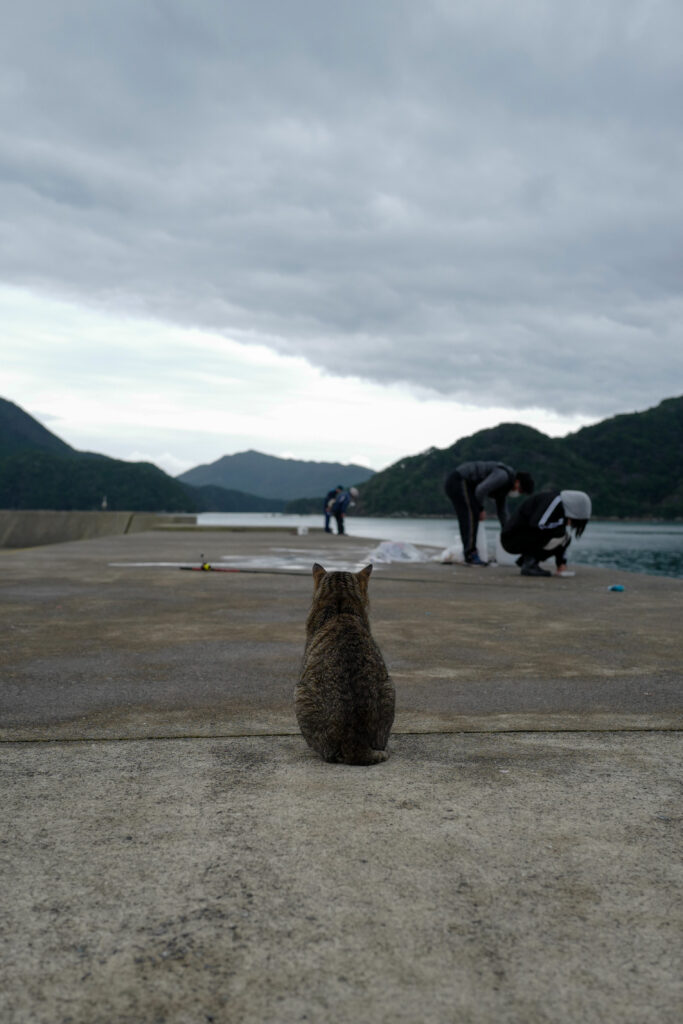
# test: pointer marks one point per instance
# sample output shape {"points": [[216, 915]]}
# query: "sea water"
{"points": [[654, 548]]}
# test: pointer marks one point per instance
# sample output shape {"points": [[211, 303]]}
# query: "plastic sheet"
{"points": [[397, 551]]}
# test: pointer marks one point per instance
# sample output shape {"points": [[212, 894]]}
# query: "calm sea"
{"points": [[655, 548]]}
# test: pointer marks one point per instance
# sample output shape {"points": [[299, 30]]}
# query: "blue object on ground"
{"points": [[616, 586]]}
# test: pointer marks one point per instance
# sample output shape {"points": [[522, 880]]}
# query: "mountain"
{"points": [[631, 465], [271, 477], [20, 433], [40, 471], [637, 460], [209, 498], [41, 480]]}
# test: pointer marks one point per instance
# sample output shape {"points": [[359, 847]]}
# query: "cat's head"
{"points": [[341, 590], [319, 574]]}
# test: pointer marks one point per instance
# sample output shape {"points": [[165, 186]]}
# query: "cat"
{"points": [[344, 699]]}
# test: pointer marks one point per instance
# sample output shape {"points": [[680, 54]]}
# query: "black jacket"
{"points": [[538, 527], [542, 512]]}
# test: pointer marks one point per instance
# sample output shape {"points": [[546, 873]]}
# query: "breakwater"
{"points": [[27, 528]]}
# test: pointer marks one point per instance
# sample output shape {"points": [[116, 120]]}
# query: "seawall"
{"points": [[28, 528]]}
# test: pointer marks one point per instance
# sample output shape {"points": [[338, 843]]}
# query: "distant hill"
{"points": [[271, 477], [631, 465], [40, 471], [219, 499], [20, 433], [41, 480]]}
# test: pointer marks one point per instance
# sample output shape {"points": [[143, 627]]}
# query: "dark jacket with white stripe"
{"points": [[544, 511], [538, 527]]}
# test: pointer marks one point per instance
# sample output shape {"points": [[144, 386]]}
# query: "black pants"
{"points": [[467, 509], [521, 539], [339, 518]]}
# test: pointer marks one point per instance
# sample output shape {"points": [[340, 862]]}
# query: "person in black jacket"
{"points": [[539, 529], [470, 485]]}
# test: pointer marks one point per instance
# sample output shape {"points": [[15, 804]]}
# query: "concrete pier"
{"points": [[26, 528], [174, 852]]}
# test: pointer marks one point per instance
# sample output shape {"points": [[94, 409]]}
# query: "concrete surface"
{"points": [[22, 528], [97, 647], [523, 878], [225, 873]]}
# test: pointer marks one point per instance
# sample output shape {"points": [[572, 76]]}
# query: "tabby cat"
{"points": [[344, 699]]}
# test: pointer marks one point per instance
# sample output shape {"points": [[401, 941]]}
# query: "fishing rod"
{"points": [[207, 567]]}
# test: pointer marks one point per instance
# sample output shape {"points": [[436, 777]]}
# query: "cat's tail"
{"points": [[353, 754]]}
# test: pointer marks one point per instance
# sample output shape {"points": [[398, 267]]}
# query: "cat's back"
{"points": [[344, 698], [343, 648]]}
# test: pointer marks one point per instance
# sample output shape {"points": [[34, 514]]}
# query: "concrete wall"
{"points": [[30, 528]]}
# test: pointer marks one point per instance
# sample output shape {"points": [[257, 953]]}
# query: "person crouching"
{"points": [[539, 529]]}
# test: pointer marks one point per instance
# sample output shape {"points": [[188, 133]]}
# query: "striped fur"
{"points": [[344, 699]]}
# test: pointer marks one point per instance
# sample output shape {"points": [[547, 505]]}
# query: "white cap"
{"points": [[577, 504]]}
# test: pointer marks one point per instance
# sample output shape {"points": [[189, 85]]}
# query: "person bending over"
{"points": [[468, 487], [343, 500], [330, 499]]}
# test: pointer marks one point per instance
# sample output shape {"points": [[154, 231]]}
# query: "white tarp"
{"points": [[397, 551]]}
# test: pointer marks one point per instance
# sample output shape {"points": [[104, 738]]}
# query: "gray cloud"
{"points": [[485, 202]]}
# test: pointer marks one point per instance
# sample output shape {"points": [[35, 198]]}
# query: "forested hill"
{"points": [[21, 433], [273, 477], [40, 471], [631, 465]]}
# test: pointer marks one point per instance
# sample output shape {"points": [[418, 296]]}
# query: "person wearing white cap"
{"points": [[539, 529]]}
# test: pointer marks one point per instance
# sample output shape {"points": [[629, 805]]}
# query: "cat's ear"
{"points": [[318, 573], [365, 573]]}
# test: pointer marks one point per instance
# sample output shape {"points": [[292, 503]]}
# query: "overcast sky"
{"points": [[342, 231]]}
